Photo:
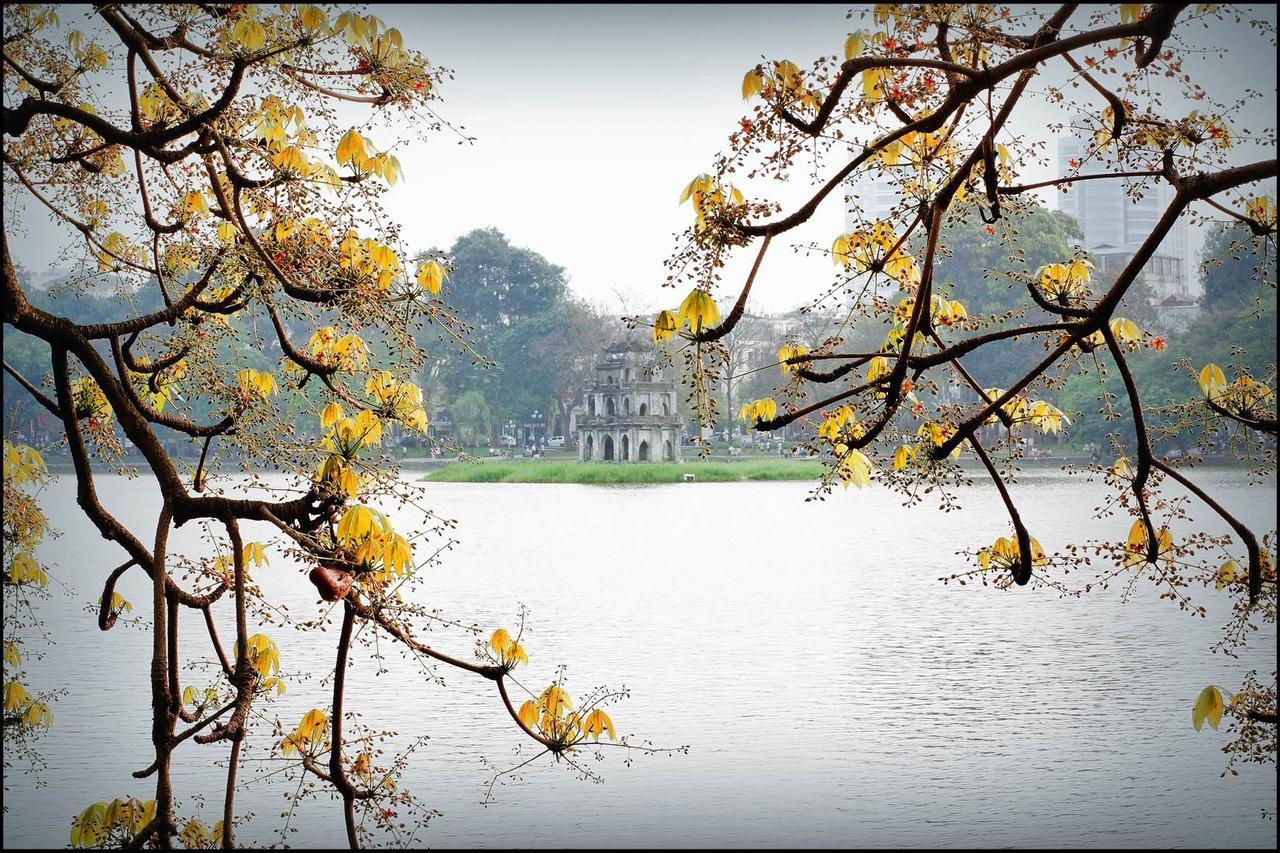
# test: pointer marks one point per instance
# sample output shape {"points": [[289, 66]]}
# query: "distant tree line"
{"points": [[533, 344]]}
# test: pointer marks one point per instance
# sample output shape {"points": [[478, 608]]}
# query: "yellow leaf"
{"points": [[257, 382], [1136, 546], [349, 482], [15, 696], [499, 641], [873, 84], [250, 34], [87, 828], [1211, 380], [256, 553], [37, 714], [23, 569], [854, 467], [193, 204], [555, 701], [1164, 542], [787, 352], [698, 310], [311, 721], [854, 44], [664, 326], [369, 552], [383, 258], [356, 523], [902, 457], [1208, 706], [1226, 574], [290, 159], [312, 18], [1130, 12], [516, 654], [788, 75], [700, 184], [351, 147], [262, 654], [431, 276], [759, 410], [329, 416], [597, 723], [368, 428], [391, 170], [1126, 331]]}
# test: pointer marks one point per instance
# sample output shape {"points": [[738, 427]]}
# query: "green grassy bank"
{"points": [[624, 473]]}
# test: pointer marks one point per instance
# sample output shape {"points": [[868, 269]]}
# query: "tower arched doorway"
{"points": [[607, 445], [588, 452], [643, 453], [626, 449]]}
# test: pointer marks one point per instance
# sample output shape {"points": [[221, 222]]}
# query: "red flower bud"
{"points": [[333, 583]]}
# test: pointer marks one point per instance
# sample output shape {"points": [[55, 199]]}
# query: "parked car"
{"points": [[555, 441]]}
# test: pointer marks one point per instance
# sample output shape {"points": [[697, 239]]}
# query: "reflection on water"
{"points": [[831, 691]]}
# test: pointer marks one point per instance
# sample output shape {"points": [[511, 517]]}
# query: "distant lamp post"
{"points": [[530, 428]]}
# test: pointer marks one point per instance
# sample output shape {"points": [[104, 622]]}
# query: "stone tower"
{"points": [[630, 409]]}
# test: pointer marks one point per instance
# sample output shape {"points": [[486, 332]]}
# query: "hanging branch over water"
{"points": [[926, 103], [228, 194]]}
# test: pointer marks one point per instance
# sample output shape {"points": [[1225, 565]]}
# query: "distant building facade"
{"points": [[629, 411], [1115, 225], [870, 197]]}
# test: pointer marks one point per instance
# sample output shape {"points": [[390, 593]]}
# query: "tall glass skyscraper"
{"points": [[1115, 222], [1115, 218]]}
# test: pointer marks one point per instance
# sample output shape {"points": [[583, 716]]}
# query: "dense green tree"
{"points": [[982, 257], [532, 340], [1235, 268], [549, 358], [1236, 324], [494, 284], [986, 266], [980, 271], [471, 415]]}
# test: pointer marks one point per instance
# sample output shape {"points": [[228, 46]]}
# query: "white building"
{"points": [[1115, 224], [869, 197], [629, 412]]}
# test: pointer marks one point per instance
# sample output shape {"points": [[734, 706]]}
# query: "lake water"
{"points": [[831, 691]]}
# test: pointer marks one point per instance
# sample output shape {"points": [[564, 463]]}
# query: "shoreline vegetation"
{"points": [[624, 473], [563, 467], [758, 469]]}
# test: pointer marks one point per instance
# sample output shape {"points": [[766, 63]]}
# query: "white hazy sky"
{"points": [[569, 104]]}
